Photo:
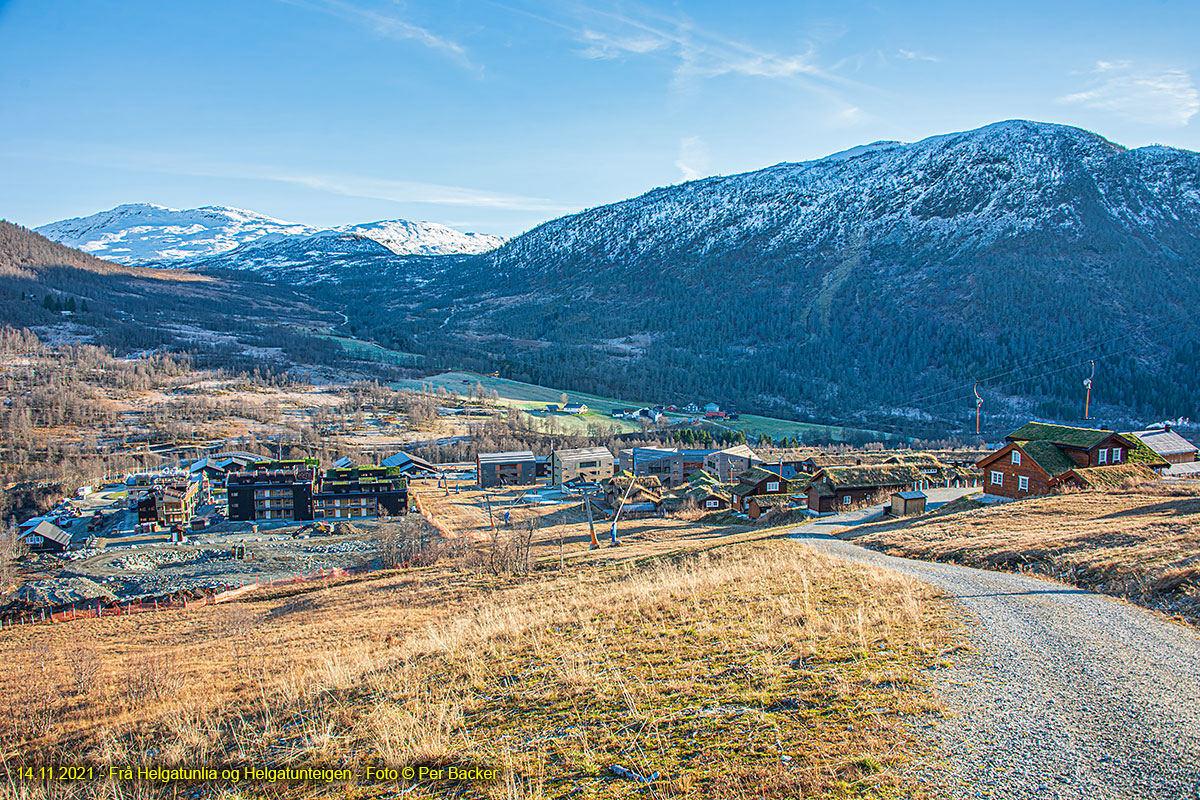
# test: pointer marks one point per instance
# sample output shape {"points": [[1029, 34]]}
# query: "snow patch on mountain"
{"points": [[144, 233]]}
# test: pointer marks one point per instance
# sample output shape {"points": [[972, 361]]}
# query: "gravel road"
{"points": [[1070, 694]]}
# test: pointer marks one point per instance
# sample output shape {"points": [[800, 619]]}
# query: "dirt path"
{"points": [[1070, 694]]}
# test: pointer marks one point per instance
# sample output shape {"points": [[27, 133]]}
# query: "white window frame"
{"points": [[772, 486], [1103, 455], [1016, 457], [1116, 455], [997, 478], [712, 503], [846, 500], [1022, 483]]}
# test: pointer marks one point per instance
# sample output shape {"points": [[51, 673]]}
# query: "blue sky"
{"points": [[495, 116]]}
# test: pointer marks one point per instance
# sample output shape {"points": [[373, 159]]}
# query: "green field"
{"points": [[529, 397], [369, 351]]}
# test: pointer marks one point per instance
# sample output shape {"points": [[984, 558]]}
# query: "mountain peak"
{"points": [[147, 233]]}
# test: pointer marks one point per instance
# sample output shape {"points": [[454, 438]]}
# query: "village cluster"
{"points": [[245, 488]]}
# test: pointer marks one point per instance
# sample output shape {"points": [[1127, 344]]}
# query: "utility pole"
{"points": [[587, 504]]}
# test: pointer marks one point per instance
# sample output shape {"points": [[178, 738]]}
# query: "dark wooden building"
{"points": [[1039, 457], [765, 487], [361, 492], [837, 488], [268, 490], [515, 468]]}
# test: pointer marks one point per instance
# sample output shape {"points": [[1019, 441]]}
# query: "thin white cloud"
{"points": [[411, 191], [603, 46], [390, 26], [693, 158], [698, 53], [914, 55], [1158, 96], [347, 185]]}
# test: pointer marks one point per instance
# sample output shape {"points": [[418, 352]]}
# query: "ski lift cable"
{"points": [[920, 400], [1075, 365]]}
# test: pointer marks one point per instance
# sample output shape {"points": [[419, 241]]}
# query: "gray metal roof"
{"points": [[48, 530], [910, 495], [506, 458], [583, 454], [1165, 442]]}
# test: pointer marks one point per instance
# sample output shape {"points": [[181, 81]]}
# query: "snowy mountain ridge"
{"points": [[154, 235]]}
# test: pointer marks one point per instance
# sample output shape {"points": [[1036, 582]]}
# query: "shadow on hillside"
{"points": [[1177, 507]]}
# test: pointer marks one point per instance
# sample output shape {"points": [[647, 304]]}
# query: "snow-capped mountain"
{"points": [[143, 233], [423, 238], [966, 190], [870, 279]]}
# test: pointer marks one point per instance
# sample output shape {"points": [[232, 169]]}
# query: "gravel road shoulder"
{"points": [[1070, 694]]}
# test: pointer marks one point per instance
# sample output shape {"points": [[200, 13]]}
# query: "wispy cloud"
{"points": [[698, 53], [390, 26], [339, 183], [1159, 96], [693, 158], [399, 191], [914, 55]]}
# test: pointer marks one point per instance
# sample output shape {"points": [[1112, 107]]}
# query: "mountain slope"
{"points": [[875, 285], [67, 296], [143, 233]]}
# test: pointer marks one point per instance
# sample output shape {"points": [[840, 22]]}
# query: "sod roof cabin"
{"points": [[702, 491], [834, 488], [1040, 456], [646, 489]]}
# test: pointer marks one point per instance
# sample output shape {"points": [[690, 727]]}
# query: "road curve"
{"points": [[1070, 694]]}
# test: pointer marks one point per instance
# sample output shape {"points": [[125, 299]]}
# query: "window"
{"points": [[1023, 483], [997, 478], [711, 503], [1116, 455], [1103, 455], [846, 500], [1016, 457], [772, 486]]}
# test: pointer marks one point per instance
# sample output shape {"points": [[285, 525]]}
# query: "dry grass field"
{"points": [[759, 669], [465, 513], [1140, 543]]}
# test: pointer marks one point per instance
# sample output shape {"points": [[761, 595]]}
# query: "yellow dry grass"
{"points": [[1141, 543], [465, 513], [756, 670]]}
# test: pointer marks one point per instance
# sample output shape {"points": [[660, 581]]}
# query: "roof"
{"points": [[831, 460], [48, 530], [507, 457], [343, 462], [868, 476], [1188, 469], [923, 459], [1064, 435], [1165, 442], [1142, 453], [406, 461], [739, 451], [1112, 476], [1048, 456], [911, 495], [583, 454]]}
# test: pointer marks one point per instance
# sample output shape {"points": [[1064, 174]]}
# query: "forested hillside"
{"points": [[871, 287]]}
